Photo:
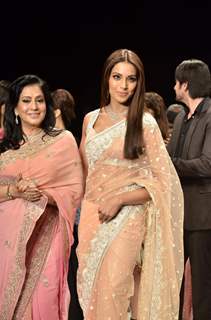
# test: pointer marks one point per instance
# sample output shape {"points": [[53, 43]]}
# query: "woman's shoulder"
{"points": [[64, 136], [90, 118], [91, 114]]}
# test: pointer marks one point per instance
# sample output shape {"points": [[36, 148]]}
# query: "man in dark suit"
{"points": [[190, 150]]}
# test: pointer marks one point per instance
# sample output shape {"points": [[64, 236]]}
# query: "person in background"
{"points": [[41, 185], [132, 212], [4, 92], [155, 104], [190, 150], [64, 105], [172, 111]]}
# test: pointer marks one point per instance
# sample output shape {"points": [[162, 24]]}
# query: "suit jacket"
{"points": [[194, 167]]}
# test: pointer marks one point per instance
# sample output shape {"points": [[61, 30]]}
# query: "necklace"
{"points": [[115, 116]]}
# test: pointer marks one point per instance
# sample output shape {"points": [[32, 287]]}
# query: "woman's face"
{"points": [[31, 107], [122, 82]]}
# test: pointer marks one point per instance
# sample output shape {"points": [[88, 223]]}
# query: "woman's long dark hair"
{"points": [[133, 146], [13, 133]]}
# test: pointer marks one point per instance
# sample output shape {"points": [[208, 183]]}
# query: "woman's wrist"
{"points": [[14, 191], [120, 199], [9, 192]]}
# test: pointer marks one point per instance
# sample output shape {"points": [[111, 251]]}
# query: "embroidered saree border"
{"points": [[28, 149], [36, 264], [15, 282], [100, 245]]}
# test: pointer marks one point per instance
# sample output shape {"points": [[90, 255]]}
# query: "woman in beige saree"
{"points": [[130, 234], [40, 189]]}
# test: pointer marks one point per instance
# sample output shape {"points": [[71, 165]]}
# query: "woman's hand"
{"points": [[25, 189], [109, 208], [28, 190]]}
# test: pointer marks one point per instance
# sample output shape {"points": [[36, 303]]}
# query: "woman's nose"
{"points": [[34, 105], [124, 84]]}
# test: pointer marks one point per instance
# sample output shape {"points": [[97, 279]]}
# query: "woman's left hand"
{"points": [[109, 208], [27, 189]]}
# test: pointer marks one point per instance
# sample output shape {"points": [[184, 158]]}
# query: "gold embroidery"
{"points": [[5, 180], [8, 244], [45, 281], [29, 149], [34, 265]]}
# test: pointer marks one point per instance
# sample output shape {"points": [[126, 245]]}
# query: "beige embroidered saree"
{"points": [[35, 238], [150, 234]]}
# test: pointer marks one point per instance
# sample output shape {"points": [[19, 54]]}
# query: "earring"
{"points": [[16, 119]]}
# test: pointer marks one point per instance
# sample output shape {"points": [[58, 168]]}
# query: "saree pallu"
{"points": [[35, 238], [149, 235]]}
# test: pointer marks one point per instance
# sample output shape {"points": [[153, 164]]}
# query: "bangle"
{"points": [[9, 194]]}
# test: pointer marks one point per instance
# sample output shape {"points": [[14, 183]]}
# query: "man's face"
{"points": [[180, 91]]}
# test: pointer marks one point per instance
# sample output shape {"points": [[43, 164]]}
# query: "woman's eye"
{"points": [[40, 100], [26, 100], [116, 76], [132, 79]]}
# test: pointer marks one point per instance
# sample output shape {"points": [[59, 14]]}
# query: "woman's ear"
{"points": [[57, 113]]}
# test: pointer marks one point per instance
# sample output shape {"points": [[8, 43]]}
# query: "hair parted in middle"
{"points": [[133, 146]]}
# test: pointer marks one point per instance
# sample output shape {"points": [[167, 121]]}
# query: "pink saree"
{"points": [[187, 308], [35, 238], [150, 235]]}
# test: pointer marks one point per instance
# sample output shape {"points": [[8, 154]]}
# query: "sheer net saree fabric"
{"points": [[35, 238], [109, 252]]}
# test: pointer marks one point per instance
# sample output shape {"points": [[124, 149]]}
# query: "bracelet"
{"points": [[9, 194]]}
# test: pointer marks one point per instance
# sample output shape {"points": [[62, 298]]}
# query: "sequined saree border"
{"points": [[12, 297]]}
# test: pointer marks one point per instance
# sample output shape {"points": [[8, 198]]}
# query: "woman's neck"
{"points": [[59, 123], [29, 132], [117, 107]]}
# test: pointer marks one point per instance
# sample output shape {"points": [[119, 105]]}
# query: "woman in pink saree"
{"points": [[131, 228], [41, 186]]}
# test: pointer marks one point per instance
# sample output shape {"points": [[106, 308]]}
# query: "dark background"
{"points": [[67, 42]]}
